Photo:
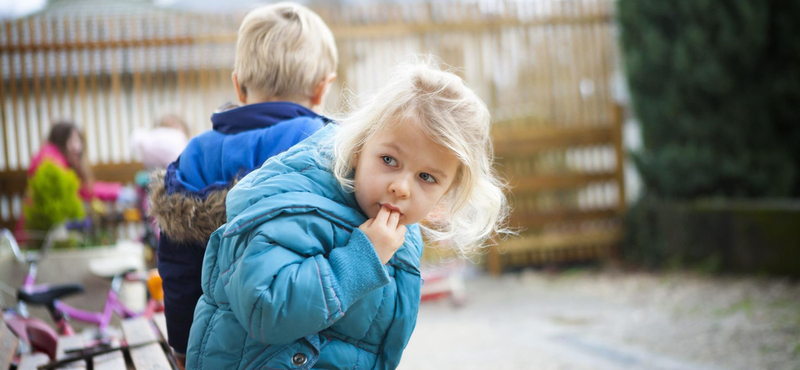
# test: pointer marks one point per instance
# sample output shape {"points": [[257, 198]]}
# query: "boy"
{"points": [[285, 61]]}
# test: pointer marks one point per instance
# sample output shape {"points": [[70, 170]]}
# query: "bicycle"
{"points": [[41, 337]]}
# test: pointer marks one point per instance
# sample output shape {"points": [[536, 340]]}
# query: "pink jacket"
{"points": [[105, 191]]}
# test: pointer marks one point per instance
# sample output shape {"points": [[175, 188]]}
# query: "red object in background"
{"points": [[443, 285]]}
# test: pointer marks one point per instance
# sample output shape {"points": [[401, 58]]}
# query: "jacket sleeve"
{"points": [[278, 295]]}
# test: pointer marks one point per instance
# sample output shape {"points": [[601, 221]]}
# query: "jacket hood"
{"points": [[230, 119], [300, 177], [184, 218], [300, 182]]}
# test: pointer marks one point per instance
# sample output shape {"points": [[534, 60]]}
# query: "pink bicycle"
{"points": [[40, 336]]}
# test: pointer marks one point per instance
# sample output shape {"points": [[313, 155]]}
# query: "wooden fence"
{"points": [[543, 67]]}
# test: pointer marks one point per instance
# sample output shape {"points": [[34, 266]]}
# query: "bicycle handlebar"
{"points": [[58, 231], [8, 236]]}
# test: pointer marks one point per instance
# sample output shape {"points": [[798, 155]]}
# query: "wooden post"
{"points": [[71, 79], [181, 67], [23, 81], [493, 262], [96, 135], [82, 88], [3, 116], [138, 105], [47, 52], [116, 120], [59, 91], [13, 92], [619, 149], [36, 50]]}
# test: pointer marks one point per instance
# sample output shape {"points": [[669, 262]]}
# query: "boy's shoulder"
{"points": [[312, 152], [303, 169], [302, 126]]}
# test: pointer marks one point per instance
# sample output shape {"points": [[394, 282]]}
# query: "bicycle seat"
{"points": [[49, 294]]}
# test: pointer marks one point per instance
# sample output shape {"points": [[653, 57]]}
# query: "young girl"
{"points": [[318, 263], [65, 147]]}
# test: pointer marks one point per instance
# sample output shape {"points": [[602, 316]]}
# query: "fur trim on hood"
{"points": [[186, 219]]}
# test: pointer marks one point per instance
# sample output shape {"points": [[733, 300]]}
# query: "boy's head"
{"points": [[284, 52]]}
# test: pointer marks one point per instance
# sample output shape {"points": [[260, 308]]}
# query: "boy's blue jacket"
{"points": [[289, 282], [188, 201]]}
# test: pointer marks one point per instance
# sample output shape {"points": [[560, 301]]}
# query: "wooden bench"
{"points": [[145, 348]]}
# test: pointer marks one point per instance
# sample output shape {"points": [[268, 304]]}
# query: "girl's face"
{"points": [[402, 169], [74, 144]]}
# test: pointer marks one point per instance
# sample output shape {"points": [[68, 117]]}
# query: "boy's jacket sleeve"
{"points": [[279, 292]]}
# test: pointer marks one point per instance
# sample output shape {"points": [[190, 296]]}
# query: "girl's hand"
{"points": [[385, 233]]}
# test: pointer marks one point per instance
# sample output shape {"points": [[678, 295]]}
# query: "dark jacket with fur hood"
{"points": [[188, 198]]}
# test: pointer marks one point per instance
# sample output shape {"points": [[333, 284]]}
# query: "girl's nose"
{"points": [[400, 187]]}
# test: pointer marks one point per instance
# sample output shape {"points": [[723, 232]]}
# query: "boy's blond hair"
{"points": [[283, 51], [452, 115]]}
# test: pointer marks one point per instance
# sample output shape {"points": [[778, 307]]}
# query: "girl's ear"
{"points": [[356, 156]]}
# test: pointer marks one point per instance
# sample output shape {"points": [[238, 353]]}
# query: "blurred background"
{"points": [[652, 149]]}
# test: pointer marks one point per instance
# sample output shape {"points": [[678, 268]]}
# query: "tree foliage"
{"points": [[53, 197], [716, 87]]}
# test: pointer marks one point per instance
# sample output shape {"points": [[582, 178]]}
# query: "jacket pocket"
{"points": [[301, 354]]}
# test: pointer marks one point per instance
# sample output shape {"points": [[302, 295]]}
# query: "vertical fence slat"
{"points": [[56, 55], [147, 67], [71, 72], [180, 53], [137, 61], [26, 125], [80, 51], [3, 115], [12, 90], [114, 30], [93, 95], [579, 62], [37, 91], [204, 70], [47, 53]]}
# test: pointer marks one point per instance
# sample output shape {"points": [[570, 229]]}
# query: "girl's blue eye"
{"points": [[389, 160], [427, 177]]}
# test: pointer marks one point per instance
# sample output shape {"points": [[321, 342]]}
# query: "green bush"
{"points": [[53, 197], [715, 85]]}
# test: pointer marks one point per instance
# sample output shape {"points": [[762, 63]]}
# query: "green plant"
{"points": [[715, 85], [53, 197]]}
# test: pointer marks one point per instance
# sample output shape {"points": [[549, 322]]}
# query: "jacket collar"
{"points": [[230, 119]]}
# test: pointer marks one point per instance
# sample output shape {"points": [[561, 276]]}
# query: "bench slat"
{"points": [[8, 345], [68, 344], [110, 361], [161, 324], [150, 357], [31, 361], [139, 331]]}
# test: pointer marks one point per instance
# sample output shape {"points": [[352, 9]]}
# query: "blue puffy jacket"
{"points": [[289, 282], [188, 200]]}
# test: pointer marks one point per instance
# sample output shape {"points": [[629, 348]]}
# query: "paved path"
{"points": [[603, 320]]}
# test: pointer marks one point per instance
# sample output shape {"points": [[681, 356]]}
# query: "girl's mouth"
{"points": [[391, 208]]}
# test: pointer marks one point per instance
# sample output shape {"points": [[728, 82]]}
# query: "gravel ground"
{"points": [[585, 319]]}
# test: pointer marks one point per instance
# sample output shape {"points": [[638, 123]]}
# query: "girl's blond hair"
{"points": [[474, 208]]}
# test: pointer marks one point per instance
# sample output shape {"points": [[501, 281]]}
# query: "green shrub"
{"points": [[715, 85], [53, 197]]}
